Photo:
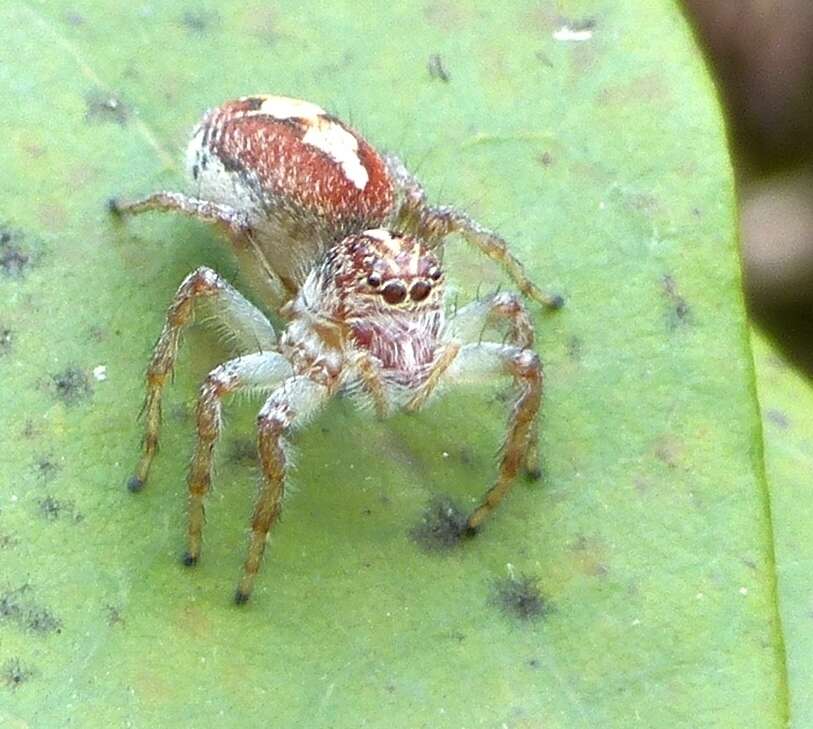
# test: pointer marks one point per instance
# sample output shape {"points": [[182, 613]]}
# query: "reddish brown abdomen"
{"points": [[313, 161]]}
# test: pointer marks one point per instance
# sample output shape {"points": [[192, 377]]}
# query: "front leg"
{"points": [[414, 215], [438, 222], [468, 325], [260, 371], [477, 363], [292, 404]]}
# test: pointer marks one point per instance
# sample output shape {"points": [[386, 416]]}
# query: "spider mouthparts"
{"points": [[240, 597], [135, 484]]}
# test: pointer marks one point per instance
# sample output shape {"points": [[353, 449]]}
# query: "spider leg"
{"points": [[438, 222], [232, 222], [471, 322], [468, 326], [289, 406], [414, 215], [231, 309], [224, 217], [262, 370], [482, 362]]}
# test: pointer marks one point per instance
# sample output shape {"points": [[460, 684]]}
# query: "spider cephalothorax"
{"points": [[339, 241]]}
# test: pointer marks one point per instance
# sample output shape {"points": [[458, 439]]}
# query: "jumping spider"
{"points": [[339, 242]]}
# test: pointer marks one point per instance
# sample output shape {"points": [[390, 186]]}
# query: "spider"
{"points": [[339, 242]]}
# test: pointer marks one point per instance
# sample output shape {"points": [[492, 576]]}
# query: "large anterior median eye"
{"points": [[419, 290], [394, 292]]}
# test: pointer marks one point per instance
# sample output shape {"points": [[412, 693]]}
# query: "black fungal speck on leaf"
{"points": [[520, 597], [19, 606], [71, 385], [6, 338], [15, 256], [441, 527], [14, 673]]}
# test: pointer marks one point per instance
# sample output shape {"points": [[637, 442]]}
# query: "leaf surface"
{"points": [[632, 586]]}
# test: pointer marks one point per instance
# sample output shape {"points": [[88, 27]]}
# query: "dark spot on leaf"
{"points": [[574, 349], [7, 541], [680, 309], [199, 21], [534, 663], [543, 58], [545, 159], [15, 255], [102, 107], [441, 526], [19, 607], [519, 597], [467, 456], [437, 68], [42, 620], [14, 674], [6, 338], [588, 23], [73, 18], [114, 616], [243, 452], [778, 418], [52, 509], [45, 468], [71, 385]]}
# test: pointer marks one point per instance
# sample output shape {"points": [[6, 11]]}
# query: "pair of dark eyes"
{"points": [[395, 292]]}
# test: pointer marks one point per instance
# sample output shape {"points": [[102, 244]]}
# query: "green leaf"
{"points": [[787, 415], [633, 586]]}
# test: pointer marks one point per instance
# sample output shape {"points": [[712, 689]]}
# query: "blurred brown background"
{"points": [[762, 54]]}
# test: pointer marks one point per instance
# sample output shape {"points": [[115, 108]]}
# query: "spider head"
{"points": [[383, 271]]}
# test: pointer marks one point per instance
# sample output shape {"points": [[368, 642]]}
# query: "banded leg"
{"points": [[221, 216], [263, 370], [292, 404], [229, 221], [482, 362], [471, 322], [438, 222], [415, 215], [236, 313]]}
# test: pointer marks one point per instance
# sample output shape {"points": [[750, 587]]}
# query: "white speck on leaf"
{"points": [[569, 35], [100, 373]]}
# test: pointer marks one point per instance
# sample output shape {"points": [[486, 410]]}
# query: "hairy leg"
{"points": [[483, 362], [292, 404], [470, 324], [224, 217], [432, 223], [259, 371], [229, 307]]}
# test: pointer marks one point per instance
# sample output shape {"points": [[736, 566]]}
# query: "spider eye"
{"points": [[394, 293], [419, 291], [374, 280], [435, 274]]}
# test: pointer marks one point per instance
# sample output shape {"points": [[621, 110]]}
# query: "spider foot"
{"points": [[135, 484], [189, 559], [240, 597]]}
